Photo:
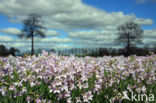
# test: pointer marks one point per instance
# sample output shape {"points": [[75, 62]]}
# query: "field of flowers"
{"points": [[50, 78]]}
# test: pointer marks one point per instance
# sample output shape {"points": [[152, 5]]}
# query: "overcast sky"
{"points": [[76, 23]]}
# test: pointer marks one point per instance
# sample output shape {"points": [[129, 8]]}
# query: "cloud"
{"points": [[93, 34], [94, 38], [16, 31], [22, 46], [144, 1], [57, 40], [28, 45], [13, 31], [93, 43], [5, 39], [150, 37], [143, 21], [97, 38], [150, 33], [51, 33], [108, 43], [149, 41], [140, 1], [153, 0], [66, 14], [62, 46], [25, 44]]}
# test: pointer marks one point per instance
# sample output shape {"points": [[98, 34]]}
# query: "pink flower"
{"points": [[78, 100], [144, 89], [38, 100], [24, 89], [67, 94], [3, 90], [29, 99], [87, 96], [12, 87]]}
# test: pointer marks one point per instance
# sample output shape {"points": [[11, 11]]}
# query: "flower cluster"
{"points": [[49, 78]]}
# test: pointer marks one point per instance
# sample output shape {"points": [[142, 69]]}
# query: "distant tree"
{"points": [[113, 53], [129, 33], [72, 50], [2, 50], [13, 51], [53, 50], [32, 26], [154, 49], [76, 51], [103, 51]]}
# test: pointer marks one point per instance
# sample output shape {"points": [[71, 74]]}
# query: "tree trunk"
{"points": [[32, 48], [128, 46], [32, 31]]}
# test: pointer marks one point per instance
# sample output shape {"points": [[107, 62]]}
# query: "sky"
{"points": [[76, 23]]}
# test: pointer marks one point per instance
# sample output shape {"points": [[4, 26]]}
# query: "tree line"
{"points": [[81, 52], [101, 51]]}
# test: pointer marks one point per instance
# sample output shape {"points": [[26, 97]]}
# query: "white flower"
{"points": [[125, 95], [78, 100], [50, 91], [138, 90], [11, 87], [38, 100], [57, 90], [64, 87], [85, 85], [67, 94], [28, 99], [143, 88], [24, 89], [3, 90], [69, 100], [87, 96], [19, 84], [111, 100], [32, 84]]}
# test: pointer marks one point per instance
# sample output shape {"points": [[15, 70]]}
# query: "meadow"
{"points": [[51, 78]]}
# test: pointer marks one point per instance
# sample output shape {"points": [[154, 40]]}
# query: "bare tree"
{"points": [[32, 26], [129, 33]]}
